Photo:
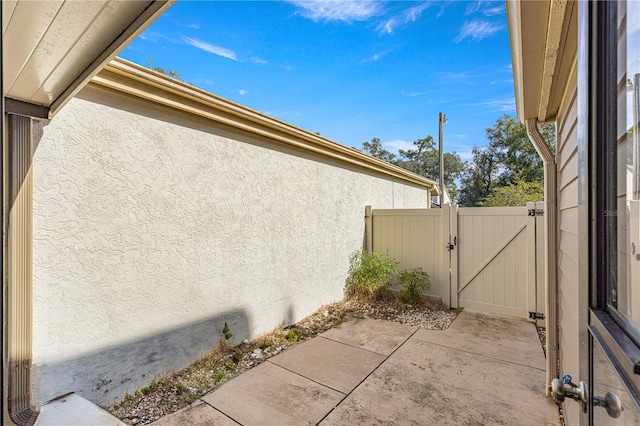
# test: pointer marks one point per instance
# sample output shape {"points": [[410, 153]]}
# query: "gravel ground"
{"points": [[177, 390]]}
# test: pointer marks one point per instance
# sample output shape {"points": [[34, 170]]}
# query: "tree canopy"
{"points": [[423, 160], [514, 194], [506, 172]]}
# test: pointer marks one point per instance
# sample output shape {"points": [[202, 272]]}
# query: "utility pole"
{"points": [[442, 120]]}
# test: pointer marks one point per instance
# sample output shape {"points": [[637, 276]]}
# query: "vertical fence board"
{"points": [[489, 269]]}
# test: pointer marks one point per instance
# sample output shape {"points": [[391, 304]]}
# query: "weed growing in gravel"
{"points": [[226, 332], [292, 336], [237, 356], [414, 282]]}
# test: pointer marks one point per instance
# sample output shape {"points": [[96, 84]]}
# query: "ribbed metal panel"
{"points": [[19, 292]]}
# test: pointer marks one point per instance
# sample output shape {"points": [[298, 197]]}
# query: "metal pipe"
{"points": [[3, 269], [19, 268], [635, 84], [442, 119], [551, 247]]}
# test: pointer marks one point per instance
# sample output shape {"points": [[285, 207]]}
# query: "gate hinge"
{"points": [[535, 212], [536, 315]]}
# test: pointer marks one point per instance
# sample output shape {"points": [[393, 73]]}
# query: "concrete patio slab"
{"points": [[501, 338], [374, 335], [424, 383], [271, 395], [197, 414], [482, 370], [336, 365], [71, 410]]}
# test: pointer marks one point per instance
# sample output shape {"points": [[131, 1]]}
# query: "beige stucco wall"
{"points": [[152, 228]]}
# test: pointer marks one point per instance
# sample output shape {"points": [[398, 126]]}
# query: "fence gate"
{"points": [[488, 259], [500, 265]]}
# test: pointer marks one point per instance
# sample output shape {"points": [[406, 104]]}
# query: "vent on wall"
{"points": [[19, 289]]}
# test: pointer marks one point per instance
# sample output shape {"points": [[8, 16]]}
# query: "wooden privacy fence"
{"points": [[488, 259]]}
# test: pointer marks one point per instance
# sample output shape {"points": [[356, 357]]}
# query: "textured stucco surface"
{"points": [[152, 228]]}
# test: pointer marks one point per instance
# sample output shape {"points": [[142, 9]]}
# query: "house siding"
{"points": [[568, 284], [153, 227]]}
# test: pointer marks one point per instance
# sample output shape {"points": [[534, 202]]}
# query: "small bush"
{"points": [[226, 331], [237, 357], [292, 336], [369, 275], [264, 345], [180, 389], [414, 282]]}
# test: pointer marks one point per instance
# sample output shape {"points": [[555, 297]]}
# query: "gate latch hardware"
{"points": [[450, 246], [535, 212], [536, 315], [579, 393]]}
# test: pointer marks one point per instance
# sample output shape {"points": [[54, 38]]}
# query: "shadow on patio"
{"points": [[482, 370]]}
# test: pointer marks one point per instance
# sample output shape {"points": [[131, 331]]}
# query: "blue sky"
{"points": [[350, 70]]}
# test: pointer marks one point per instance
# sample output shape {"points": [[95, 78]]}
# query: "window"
{"points": [[614, 173], [625, 295]]}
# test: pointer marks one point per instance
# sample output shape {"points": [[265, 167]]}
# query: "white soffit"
{"points": [[528, 25], [52, 48]]}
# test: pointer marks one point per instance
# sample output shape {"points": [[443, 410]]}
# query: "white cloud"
{"points": [[194, 26], [387, 26], [371, 58], [502, 105], [466, 154], [413, 13], [242, 92], [286, 67], [337, 10], [204, 81], [477, 30], [489, 8], [450, 77], [497, 10], [374, 58], [464, 151], [413, 94], [258, 60], [216, 50], [409, 15], [472, 7], [395, 146]]}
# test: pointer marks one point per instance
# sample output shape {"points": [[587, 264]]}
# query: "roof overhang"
{"points": [[52, 48], [543, 37], [139, 82]]}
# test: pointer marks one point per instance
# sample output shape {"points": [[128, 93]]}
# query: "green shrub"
{"points": [[369, 275], [180, 389], [226, 331], [237, 357], [414, 282], [292, 336]]}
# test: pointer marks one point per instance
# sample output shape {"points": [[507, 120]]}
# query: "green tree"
{"points": [[375, 149], [517, 154], [479, 178], [424, 160], [510, 159], [515, 194]]}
